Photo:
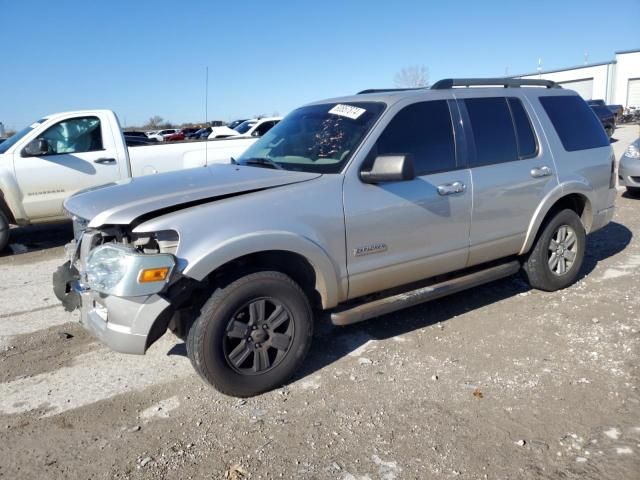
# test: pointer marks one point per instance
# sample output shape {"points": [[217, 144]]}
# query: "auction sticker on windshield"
{"points": [[347, 111]]}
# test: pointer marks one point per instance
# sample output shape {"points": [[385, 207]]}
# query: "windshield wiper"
{"points": [[263, 161]]}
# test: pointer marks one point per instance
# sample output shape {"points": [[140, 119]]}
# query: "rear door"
{"points": [[82, 154], [400, 232], [511, 174]]}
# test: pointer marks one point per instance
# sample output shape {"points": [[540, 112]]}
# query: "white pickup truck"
{"points": [[51, 159]]}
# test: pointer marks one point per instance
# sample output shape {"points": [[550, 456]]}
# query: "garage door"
{"points": [[633, 93], [583, 87]]}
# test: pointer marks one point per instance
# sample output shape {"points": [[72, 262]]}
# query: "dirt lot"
{"points": [[497, 382]]}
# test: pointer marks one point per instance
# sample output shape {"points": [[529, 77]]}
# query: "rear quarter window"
{"points": [[574, 121]]}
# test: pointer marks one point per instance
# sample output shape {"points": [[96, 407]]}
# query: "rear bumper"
{"points": [[122, 324]]}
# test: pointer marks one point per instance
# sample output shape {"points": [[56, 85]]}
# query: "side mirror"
{"points": [[390, 168], [36, 148]]}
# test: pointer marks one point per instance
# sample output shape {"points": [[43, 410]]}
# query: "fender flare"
{"points": [[573, 187], [11, 198], [327, 279]]}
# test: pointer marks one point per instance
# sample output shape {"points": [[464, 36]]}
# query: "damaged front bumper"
{"points": [[125, 325]]}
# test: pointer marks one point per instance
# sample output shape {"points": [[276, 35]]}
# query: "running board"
{"points": [[399, 301]]}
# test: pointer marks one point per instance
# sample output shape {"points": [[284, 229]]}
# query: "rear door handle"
{"points": [[105, 161], [451, 188], [540, 172]]}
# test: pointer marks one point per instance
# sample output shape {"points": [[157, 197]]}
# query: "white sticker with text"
{"points": [[348, 111]]}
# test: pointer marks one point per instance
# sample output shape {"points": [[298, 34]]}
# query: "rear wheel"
{"points": [[4, 231], [556, 257], [251, 335]]}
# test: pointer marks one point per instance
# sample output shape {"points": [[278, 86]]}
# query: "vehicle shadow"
{"points": [[38, 237], [332, 343]]}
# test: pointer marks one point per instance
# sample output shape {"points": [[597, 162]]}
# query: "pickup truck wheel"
{"points": [[4, 231], [556, 257], [252, 335]]}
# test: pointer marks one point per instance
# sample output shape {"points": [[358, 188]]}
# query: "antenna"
{"points": [[539, 66], [206, 114], [586, 57]]}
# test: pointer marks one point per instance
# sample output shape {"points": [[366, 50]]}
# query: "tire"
{"points": [[238, 359], [4, 231], [635, 191], [609, 131], [543, 265]]}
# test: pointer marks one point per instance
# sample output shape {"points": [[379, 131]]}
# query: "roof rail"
{"points": [[382, 90], [487, 82]]}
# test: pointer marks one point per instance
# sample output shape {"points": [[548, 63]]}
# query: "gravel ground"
{"points": [[496, 382]]}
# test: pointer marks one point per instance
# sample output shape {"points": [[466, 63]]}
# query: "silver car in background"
{"points": [[629, 168]]}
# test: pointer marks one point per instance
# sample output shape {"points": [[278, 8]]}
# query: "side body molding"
{"points": [[573, 186], [327, 279]]}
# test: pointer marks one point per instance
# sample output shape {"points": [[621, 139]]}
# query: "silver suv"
{"points": [[355, 206]]}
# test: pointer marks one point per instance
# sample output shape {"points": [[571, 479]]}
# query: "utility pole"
{"points": [[206, 97]]}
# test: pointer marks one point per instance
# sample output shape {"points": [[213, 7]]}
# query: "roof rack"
{"points": [[487, 82], [383, 90]]}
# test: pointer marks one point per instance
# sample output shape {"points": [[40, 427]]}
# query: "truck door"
{"points": [[82, 153], [400, 232]]}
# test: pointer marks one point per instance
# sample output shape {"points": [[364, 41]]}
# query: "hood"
{"points": [[123, 202]]}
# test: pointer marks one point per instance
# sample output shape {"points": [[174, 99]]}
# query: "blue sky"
{"points": [[144, 58]]}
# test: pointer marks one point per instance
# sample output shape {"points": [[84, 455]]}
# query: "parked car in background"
{"points": [[189, 131], [249, 128], [136, 140], [135, 133], [174, 137], [617, 110], [202, 133], [358, 207], [54, 157], [606, 117], [235, 123], [161, 135], [629, 168]]}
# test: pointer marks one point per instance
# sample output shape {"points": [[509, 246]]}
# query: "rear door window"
{"points": [[423, 130], [574, 121], [527, 145], [493, 131]]}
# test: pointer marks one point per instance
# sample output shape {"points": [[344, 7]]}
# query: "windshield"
{"points": [[11, 141], [245, 126], [317, 138]]}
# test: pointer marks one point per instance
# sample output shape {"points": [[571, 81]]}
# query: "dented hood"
{"points": [[123, 202]]}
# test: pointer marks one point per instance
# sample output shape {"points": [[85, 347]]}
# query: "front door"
{"points": [[400, 232], [79, 157]]}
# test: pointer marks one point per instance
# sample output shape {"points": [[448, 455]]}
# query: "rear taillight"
{"points": [[612, 178]]}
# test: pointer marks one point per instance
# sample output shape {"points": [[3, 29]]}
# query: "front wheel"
{"points": [[252, 335], [557, 255]]}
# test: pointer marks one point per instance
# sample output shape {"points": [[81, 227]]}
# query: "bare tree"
{"points": [[154, 122], [412, 77]]}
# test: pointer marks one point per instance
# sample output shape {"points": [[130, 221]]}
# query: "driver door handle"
{"points": [[540, 172], [451, 188], [105, 161]]}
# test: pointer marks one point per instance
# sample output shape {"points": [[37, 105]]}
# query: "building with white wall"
{"points": [[616, 82]]}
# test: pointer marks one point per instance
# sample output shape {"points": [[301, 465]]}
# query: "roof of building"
{"points": [[577, 67], [622, 52]]}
